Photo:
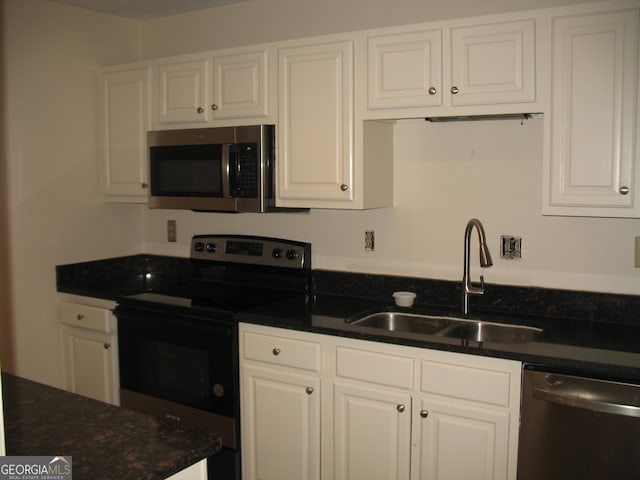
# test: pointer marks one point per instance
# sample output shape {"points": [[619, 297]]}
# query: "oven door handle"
{"points": [[580, 399]]}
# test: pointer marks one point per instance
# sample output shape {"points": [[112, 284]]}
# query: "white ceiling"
{"points": [[143, 9]]}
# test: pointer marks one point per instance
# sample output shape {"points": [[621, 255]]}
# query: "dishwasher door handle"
{"points": [[575, 400]]}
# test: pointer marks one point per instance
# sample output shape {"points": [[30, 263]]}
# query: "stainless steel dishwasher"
{"points": [[578, 428]]}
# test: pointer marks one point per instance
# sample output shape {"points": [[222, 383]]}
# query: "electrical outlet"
{"points": [[172, 231], [637, 252], [510, 247], [369, 240]]}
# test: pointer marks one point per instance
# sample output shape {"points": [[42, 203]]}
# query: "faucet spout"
{"points": [[468, 288]]}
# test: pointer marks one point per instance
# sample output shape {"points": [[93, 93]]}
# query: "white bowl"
{"points": [[404, 299]]}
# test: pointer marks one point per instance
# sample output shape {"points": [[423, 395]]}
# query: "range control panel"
{"points": [[252, 250]]}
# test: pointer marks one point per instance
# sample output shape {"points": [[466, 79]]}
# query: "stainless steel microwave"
{"points": [[220, 169]]}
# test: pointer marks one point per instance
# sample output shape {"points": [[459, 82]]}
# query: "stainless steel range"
{"points": [[178, 346]]}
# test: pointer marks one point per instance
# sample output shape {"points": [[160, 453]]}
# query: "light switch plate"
{"points": [[637, 252]]}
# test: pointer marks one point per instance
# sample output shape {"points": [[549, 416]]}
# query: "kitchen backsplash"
{"points": [[110, 278]]}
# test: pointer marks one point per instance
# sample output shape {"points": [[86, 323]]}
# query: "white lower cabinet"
{"points": [[372, 433], [197, 471], [90, 351], [280, 406], [450, 428], [388, 411]]}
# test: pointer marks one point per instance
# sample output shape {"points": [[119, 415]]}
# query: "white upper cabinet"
{"points": [[591, 156], [325, 158], [240, 85], [183, 92], [438, 71], [221, 88], [493, 64], [315, 135], [126, 117], [405, 70]]}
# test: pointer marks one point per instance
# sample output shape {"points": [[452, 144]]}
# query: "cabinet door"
{"points": [[182, 90], [126, 119], [405, 70], [462, 441], [91, 363], [240, 85], [280, 425], [372, 433], [593, 114], [315, 137], [493, 64]]}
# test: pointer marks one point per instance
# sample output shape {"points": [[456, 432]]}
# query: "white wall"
{"points": [[444, 175], [53, 55]]}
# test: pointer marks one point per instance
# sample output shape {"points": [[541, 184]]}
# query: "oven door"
{"points": [[180, 367]]}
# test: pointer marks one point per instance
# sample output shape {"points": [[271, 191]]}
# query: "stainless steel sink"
{"points": [[446, 327], [492, 332], [403, 322]]}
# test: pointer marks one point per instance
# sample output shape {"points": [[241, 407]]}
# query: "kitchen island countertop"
{"points": [[104, 441]]}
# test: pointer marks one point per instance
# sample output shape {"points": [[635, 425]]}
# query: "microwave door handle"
{"points": [[226, 166]]}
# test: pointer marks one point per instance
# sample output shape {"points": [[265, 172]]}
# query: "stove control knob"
{"points": [[211, 247], [276, 253], [198, 247], [292, 254]]}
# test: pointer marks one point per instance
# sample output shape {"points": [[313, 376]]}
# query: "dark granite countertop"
{"points": [[590, 348], [104, 441], [591, 332]]}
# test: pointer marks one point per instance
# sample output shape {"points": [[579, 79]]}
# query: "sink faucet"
{"points": [[485, 261]]}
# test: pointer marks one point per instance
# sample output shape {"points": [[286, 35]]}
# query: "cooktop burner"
{"points": [[232, 273]]}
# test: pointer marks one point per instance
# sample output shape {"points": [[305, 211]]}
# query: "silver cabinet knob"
{"points": [[624, 190], [400, 408], [344, 187], [424, 413], [309, 390], [80, 316], [144, 185], [214, 107], [455, 90], [200, 110], [276, 351], [432, 90], [107, 346]]}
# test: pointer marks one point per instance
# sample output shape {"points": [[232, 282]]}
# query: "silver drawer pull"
{"points": [[400, 408], [80, 316], [309, 390], [424, 413], [276, 351]]}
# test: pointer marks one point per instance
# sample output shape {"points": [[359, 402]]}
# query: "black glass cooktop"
{"points": [[209, 297]]}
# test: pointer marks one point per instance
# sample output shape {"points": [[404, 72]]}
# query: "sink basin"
{"points": [[446, 327], [402, 322], [492, 332]]}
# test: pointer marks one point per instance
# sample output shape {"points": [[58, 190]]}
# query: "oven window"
{"points": [[175, 372], [186, 171], [181, 360]]}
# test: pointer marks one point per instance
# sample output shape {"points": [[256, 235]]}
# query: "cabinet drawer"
{"points": [[85, 316], [278, 350], [467, 383], [374, 367]]}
